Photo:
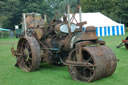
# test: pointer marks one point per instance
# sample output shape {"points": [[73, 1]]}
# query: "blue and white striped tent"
{"points": [[104, 25], [110, 30]]}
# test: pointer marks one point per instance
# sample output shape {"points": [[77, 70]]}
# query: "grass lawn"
{"points": [[54, 75]]}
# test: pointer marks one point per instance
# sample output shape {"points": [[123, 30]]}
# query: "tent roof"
{"points": [[1, 29], [96, 19]]}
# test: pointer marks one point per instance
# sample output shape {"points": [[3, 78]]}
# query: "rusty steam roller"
{"points": [[64, 43]]}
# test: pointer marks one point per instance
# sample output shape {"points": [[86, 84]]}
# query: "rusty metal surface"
{"points": [[57, 27], [87, 58], [29, 60], [13, 51], [88, 35], [33, 20], [39, 33], [126, 43], [101, 62]]}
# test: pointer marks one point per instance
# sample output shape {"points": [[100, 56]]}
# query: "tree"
{"points": [[11, 10], [8, 9], [115, 9], [123, 11]]}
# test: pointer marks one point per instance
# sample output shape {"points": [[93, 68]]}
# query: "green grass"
{"points": [[54, 75]]}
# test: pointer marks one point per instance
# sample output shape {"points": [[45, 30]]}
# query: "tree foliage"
{"points": [[11, 10], [115, 9]]}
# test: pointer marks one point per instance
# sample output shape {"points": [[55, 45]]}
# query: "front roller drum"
{"points": [[100, 62], [28, 54]]}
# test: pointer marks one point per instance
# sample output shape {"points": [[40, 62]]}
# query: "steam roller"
{"points": [[59, 43]]}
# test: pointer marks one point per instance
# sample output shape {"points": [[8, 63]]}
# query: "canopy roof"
{"points": [[2, 29], [96, 19]]}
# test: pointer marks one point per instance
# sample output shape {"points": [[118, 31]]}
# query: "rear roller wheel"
{"points": [[100, 62], [29, 54], [83, 73]]}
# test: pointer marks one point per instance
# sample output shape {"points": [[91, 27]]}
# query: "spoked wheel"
{"points": [[83, 73], [29, 54], [86, 73], [100, 62], [126, 45]]}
